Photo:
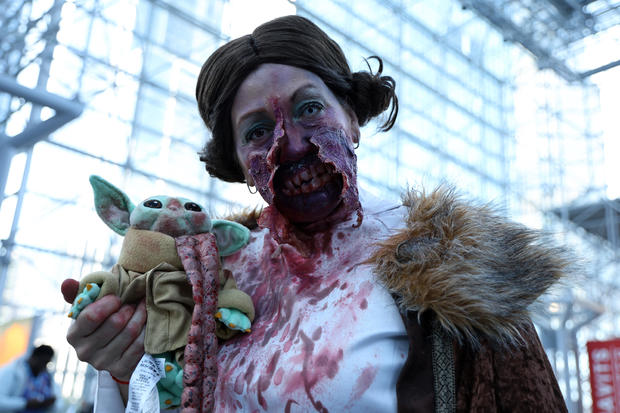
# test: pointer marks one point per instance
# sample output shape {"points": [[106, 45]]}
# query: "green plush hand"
{"points": [[168, 400], [87, 296], [170, 386], [233, 319]]}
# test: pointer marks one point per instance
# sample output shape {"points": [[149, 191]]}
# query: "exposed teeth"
{"points": [[316, 183], [308, 180]]}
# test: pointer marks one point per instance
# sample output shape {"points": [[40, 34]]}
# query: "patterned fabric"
{"points": [[518, 379], [39, 387], [201, 262], [490, 378], [443, 369]]}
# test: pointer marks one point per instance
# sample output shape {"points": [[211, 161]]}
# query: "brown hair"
{"points": [[293, 41], [43, 351]]}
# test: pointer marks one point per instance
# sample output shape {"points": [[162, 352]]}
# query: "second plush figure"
{"points": [[149, 267]]}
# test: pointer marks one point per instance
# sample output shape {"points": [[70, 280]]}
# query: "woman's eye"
{"points": [[311, 109], [152, 203], [257, 133], [192, 206]]}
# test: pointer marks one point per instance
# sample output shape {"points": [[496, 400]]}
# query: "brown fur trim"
{"points": [[477, 271], [246, 217]]}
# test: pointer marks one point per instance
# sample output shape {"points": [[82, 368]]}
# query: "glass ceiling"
{"points": [[559, 33]]}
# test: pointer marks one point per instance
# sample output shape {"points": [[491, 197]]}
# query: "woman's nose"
{"points": [[294, 145]]}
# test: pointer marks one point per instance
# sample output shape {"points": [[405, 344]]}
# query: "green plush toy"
{"points": [[150, 268]]}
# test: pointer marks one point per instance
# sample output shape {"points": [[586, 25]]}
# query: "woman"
{"points": [[360, 306]]}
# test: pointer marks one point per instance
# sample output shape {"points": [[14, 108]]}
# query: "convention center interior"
{"points": [[513, 102]]}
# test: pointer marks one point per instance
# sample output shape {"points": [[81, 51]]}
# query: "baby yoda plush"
{"points": [[149, 267]]}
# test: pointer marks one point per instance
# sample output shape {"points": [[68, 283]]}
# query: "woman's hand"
{"points": [[108, 335]]}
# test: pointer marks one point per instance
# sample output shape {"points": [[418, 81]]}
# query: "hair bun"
{"points": [[372, 94]]}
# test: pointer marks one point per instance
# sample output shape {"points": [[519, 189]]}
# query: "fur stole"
{"points": [[476, 271]]}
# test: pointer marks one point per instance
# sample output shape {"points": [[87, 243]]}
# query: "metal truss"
{"points": [[552, 29], [66, 111], [601, 218]]}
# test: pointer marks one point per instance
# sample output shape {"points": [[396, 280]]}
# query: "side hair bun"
{"points": [[372, 94]]}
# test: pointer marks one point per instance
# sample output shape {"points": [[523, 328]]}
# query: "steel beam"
{"points": [[6, 154], [511, 32], [599, 69], [66, 111]]}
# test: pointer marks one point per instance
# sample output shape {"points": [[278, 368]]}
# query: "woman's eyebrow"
{"points": [[249, 116], [307, 89]]}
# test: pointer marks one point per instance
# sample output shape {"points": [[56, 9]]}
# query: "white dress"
{"points": [[326, 336]]}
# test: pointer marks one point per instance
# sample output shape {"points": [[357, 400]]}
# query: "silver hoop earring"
{"points": [[250, 189], [357, 145]]}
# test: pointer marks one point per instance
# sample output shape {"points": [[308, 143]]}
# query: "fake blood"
{"points": [[315, 368], [263, 169], [278, 377], [278, 288], [363, 382], [334, 149], [264, 380]]}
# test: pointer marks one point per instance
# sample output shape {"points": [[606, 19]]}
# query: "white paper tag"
{"points": [[143, 396]]}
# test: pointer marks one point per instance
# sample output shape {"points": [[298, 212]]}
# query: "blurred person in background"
{"points": [[26, 385]]}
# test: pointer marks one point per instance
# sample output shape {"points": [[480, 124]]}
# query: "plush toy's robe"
{"points": [[149, 267]]}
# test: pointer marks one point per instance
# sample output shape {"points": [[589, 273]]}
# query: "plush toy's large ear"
{"points": [[111, 204], [230, 236]]}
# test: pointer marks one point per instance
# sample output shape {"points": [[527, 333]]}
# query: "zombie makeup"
{"points": [[336, 151], [262, 169], [316, 190], [294, 140]]}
